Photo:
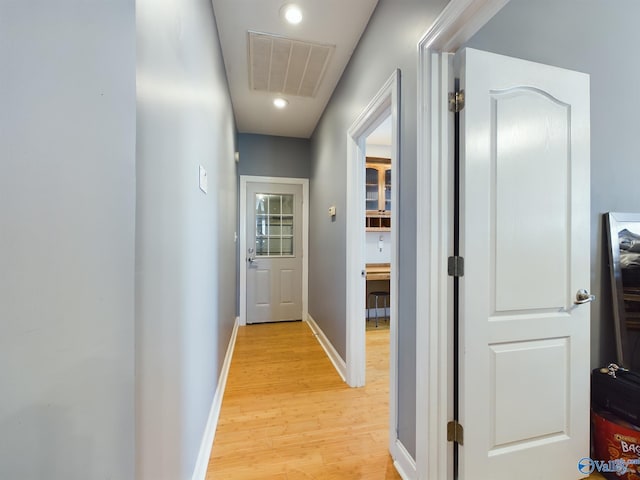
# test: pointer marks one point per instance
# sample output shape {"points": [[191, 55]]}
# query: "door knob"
{"points": [[583, 296]]}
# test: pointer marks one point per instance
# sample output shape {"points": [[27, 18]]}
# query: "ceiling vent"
{"points": [[286, 66]]}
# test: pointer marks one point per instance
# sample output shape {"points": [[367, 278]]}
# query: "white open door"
{"points": [[524, 236]]}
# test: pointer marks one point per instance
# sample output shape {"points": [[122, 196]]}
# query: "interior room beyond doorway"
{"points": [[378, 217]]}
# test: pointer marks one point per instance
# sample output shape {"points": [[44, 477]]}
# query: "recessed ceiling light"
{"points": [[292, 13], [280, 102]]}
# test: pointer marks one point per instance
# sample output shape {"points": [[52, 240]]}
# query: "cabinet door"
{"points": [[372, 189], [387, 189]]}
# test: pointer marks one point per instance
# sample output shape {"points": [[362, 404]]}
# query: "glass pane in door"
{"points": [[274, 225], [387, 190], [371, 189]]}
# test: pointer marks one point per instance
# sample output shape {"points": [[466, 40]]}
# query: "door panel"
{"points": [[274, 255], [287, 291], [262, 287], [525, 157], [524, 233], [531, 360]]}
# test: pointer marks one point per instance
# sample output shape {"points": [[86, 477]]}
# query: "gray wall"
{"points": [[269, 156], [389, 42], [185, 251], [598, 38], [67, 203]]}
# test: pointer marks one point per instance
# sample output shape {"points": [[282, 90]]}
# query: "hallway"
{"points": [[286, 414]]}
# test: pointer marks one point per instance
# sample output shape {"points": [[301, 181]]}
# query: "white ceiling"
{"points": [[338, 23]]}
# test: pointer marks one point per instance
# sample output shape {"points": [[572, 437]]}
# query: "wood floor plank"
{"points": [[286, 414]]}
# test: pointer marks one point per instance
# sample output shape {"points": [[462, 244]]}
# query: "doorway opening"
{"points": [[381, 115]]}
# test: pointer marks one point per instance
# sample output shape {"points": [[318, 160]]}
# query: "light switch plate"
{"points": [[203, 182], [332, 211]]}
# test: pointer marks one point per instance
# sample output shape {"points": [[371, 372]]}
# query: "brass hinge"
{"points": [[456, 101], [455, 266], [455, 432]]}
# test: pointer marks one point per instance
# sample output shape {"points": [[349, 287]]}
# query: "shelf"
{"points": [[378, 223]]}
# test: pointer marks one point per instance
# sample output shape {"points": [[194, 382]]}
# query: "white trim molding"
{"points": [[384, 104], [403, 462], [337, 361], [244, 179], [457, 23], [202, 462]]}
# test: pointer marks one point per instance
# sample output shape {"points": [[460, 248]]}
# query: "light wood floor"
{"points": [[286, 414]]}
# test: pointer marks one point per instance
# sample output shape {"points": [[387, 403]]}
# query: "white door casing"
{"points": [[524, 234], [274, 252], [273, 287], [385, 103]]}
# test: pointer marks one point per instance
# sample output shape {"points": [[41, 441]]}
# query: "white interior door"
{"points": [[524, 235], [274, 252]]}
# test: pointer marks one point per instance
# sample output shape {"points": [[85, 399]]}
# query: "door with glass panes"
{"points": [[274, 252]]}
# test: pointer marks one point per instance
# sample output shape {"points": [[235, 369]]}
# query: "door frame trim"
{"points": [[304, 182], [457, 23], [385, 103]]}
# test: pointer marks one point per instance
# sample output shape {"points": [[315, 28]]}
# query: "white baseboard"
{"points": [[403, 462], [200, 471], [334, 356]]}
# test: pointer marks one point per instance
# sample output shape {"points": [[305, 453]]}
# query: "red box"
{"points": [[616, 447]]}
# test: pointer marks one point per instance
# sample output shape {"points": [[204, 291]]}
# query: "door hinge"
{"points": [[455, 432], [456, 101], [455, 266]]}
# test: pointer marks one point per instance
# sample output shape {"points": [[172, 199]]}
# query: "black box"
{"points": [[618, 391]]}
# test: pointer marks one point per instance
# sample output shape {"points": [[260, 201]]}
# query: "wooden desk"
{"points": [[378, 271]]}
